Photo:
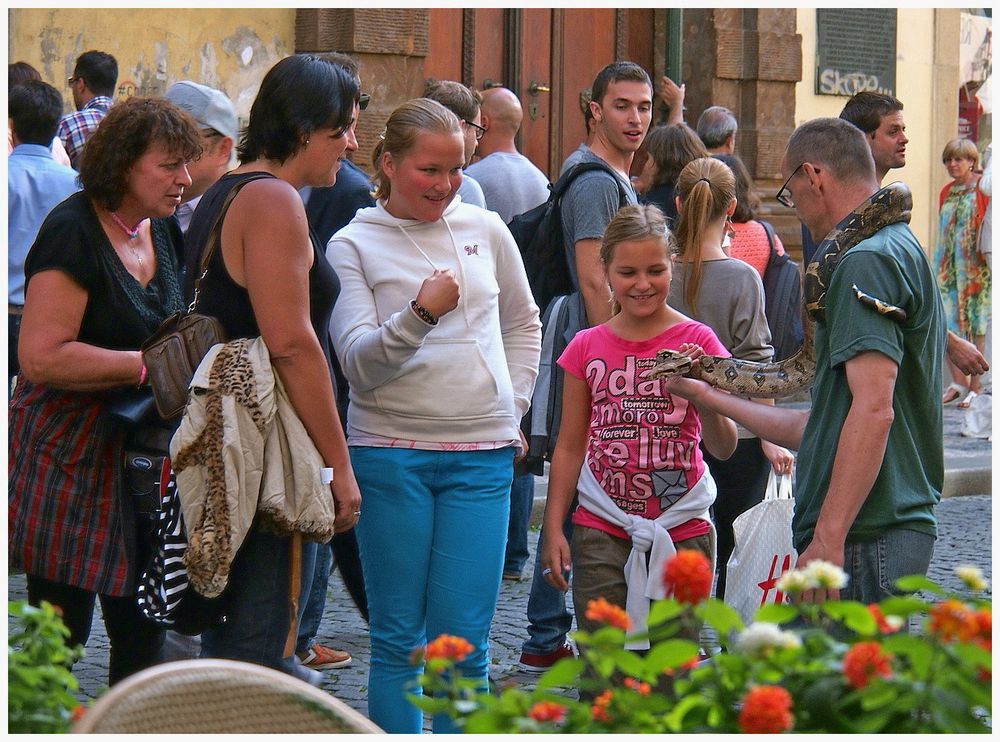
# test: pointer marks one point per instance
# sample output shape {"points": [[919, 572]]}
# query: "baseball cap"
{"points": [[210, 108]]}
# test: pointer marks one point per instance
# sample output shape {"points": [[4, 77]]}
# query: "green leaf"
{"points": [[778, 614], [719, 616], [902, 605], [878, 695], [663, 610], [675, 718], [854, 615], [628, 662], [916, 583], [917, 649], [669, 653], [563, 673]]}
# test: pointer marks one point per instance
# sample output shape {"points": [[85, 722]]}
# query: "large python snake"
{"points": [[890, 205]]}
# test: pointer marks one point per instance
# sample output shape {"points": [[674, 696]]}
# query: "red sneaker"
{"points": [[539, 663], [318, 657]]}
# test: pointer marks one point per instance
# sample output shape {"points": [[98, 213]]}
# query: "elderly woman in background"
{"points": [[964, 278], [270, 279], [669, 149], [101, 277]]}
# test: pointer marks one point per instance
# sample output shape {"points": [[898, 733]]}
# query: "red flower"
{"points": [[638, 686], [688, 575], [547, 711], [951, 620], [447, 647], [77, 713], [767, 709], [884, 627], [864, 661], [602, 611], [599, 711], [984, 623], [689, 665]]}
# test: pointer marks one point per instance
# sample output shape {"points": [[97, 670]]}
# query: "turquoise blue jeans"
{"points": [[432, 534]]}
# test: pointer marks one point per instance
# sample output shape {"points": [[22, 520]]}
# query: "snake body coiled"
{"points": [[889, 205]]}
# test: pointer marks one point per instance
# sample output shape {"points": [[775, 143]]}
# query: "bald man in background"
{"points": [[511, 182]]}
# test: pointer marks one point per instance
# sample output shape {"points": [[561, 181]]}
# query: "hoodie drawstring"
{"points": [[458, 259]]}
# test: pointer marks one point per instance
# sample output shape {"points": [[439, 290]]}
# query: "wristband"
{"points": [[423, 313]]}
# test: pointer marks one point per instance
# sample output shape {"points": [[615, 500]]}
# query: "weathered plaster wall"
{"points": [[229, 49]]}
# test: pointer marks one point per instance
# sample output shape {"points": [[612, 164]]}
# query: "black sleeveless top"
{"points": [[227, 301]]}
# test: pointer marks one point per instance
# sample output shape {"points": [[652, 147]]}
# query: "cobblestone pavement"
{"points": [[965, 537]]}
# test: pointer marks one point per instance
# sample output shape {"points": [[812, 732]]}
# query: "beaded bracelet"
{"points": [[423, 313]]}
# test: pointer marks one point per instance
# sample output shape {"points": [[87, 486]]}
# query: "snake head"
{"points": [[668, 363]]}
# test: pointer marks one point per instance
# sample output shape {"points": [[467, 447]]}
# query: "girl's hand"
{"points": [[782, 460], [346, 500], [556, 561], [439, 293]]}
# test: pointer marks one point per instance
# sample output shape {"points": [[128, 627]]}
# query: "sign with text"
{"points": [[855, 51]]}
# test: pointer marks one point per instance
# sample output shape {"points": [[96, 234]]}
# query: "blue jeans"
{"points": [[432, 539], [548, 618], [314, 599], [873, 566], [257, 608], [522, 495]]}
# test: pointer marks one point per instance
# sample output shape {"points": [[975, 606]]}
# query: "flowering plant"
{"points": [[836, 667]]}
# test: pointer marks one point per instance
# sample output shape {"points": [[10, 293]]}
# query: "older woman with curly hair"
{"points": [[101, 277]]}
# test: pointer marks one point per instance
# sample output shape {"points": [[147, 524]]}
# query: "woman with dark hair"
{"points": [[268, 278], [749, 237], [19, 73], [668, 149], [728, 296], [101, 277]]}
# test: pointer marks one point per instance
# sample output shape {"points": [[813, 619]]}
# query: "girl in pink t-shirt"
{"points": [[626, 447]]}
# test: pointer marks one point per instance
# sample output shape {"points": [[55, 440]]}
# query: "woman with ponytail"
{"points": [[439, 338], [727, 295]]}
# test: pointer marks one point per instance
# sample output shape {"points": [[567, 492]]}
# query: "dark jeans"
{"points": [[549, 620], [874, 566], [741, 480], [135, 642], [522, 495]]}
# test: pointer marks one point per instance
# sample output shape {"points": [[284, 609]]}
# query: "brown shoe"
{"points": [[318, 657]]}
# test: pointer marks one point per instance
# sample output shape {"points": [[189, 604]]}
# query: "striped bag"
{"points": [[165, 580]]}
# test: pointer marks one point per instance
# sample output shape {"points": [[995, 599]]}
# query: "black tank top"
{"points": [[224, 299]]}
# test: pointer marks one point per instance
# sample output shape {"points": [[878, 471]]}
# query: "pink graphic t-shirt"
{"points": [[642, 442]]}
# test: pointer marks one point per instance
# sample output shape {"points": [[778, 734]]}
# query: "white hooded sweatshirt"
{"points": [[467, 379]]}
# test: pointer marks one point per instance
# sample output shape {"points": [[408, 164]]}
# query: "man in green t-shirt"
{"points": [[870, 459]]}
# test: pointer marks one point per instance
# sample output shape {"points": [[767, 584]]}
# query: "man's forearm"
{"points": [[776, 424]]}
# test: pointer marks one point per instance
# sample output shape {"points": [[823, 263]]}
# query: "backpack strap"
{"points": [[769, 231], [566, 179]]}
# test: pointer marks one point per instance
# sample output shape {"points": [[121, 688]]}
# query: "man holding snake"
{"points": [[868, 507]]}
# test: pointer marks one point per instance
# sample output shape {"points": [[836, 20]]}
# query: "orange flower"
{"points": [[984, 623], [767, 709], [77, 713], [689, 665], [599, 711], [951, 620], [864, 661], [885, 626], [547, 711], [447, 647], [688, 575], [601, 610], [639, 687]]}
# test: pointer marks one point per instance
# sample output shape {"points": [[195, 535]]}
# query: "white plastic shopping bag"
{"points": [[763, 550]]}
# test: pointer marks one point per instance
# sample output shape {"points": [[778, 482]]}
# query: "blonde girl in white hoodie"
{"points": [[439, 338]]}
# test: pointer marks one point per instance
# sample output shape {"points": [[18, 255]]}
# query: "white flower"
{"points": [[759, 638], [895, 623], [826, 575], [794, 581], [972, 577]]}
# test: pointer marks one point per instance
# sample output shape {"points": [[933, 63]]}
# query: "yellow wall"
{"points": [[926, 83], [228, 49]]}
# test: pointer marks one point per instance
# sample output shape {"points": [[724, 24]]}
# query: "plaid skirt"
{"points": [[67, 518]]}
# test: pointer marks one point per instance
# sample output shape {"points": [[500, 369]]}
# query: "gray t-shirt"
{"points": [[471, 192], [574, 157], [511, 183], [589, 205], [731, 302]]}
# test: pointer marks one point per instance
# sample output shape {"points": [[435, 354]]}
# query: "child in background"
{"points": [[630, 450]]}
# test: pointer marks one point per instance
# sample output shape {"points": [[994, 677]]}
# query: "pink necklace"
{"points": [[131, 232]]}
